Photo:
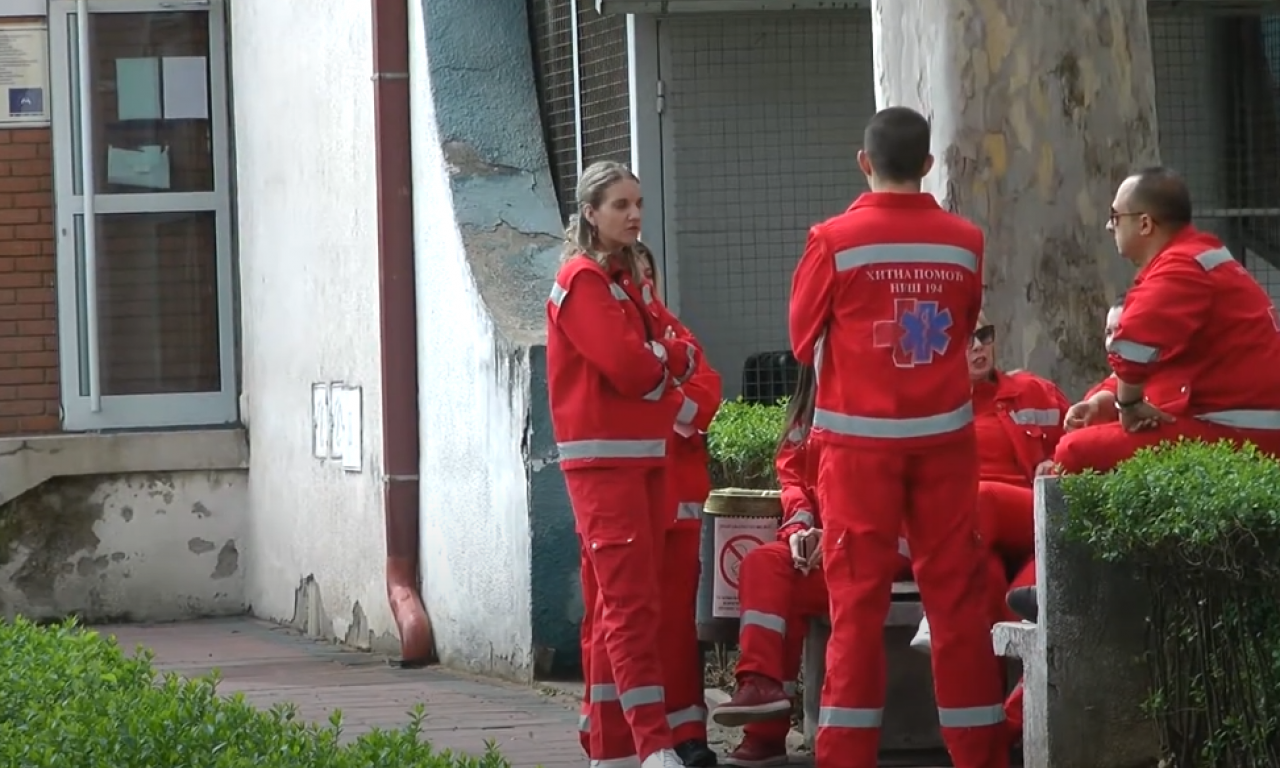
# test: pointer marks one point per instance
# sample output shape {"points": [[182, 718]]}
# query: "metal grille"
{"points": [[762, 149], [605, 87], [551, 27], [1218, 103]]}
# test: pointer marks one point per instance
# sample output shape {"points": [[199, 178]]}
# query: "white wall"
{"points": [[138, 547], [303, 108], [475, 510]]}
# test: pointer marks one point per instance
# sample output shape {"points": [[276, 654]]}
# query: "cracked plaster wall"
{"points": [[307, 245], [487, 243], [138, 547]]}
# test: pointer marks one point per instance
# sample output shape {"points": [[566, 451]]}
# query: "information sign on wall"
{"points": [[24, 74]]}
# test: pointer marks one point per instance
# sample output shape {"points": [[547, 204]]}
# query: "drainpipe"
{"points": [[398, 319]]}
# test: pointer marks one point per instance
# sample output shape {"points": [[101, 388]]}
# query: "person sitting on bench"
{"points": [[781, 587]]}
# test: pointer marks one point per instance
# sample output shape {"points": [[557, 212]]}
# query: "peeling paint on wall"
{"points": [[76, 546]]}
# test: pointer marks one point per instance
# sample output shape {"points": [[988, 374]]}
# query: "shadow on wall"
{"points": [[138, 547]]}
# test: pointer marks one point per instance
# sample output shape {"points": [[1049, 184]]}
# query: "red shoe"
{"points": [[757, 699], [754, 752]]}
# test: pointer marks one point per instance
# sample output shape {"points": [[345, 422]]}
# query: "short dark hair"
{"points": [[1162, 194], [897, 143]]}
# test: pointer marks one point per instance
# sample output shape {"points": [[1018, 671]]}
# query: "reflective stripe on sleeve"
{"points": [[1244, 419], [848, 717], [801, 517], [612, 449], [1215, 258], [869, 426], [688, 409], [1134, 352], [769, 621], [688, 510], [906, 253], [971, 717], [1040, 417], [558, 292], [618, 293]]}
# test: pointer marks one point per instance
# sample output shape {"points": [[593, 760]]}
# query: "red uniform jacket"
{"points": [[884, 302], [797, 466], [1027, 413], [611, 376], [688, 476], [1202, 335]]}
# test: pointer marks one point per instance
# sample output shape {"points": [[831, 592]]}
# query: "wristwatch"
{"points": [[1126, 406]]}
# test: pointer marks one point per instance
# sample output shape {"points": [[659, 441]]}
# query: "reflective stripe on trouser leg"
{"points": [[589, 591], [682, 669], [861, 495], [623, 514], [951, 565], [765, 583]]}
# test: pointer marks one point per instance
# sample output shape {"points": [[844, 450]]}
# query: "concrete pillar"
{"points": [[1039, 110], [1086, 681]]}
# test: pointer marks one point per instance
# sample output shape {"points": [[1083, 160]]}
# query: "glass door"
{"points": [[142, 182]]}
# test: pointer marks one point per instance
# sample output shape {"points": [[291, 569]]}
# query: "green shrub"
{"points": [[742, 441], [1202, 524], [72, 699]]}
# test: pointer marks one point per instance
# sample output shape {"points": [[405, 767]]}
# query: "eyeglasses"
{"points": [[1115, 217], [985, 335]]}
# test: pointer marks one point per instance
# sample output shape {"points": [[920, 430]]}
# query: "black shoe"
{"points": [[1025, 602], [696, 754]]}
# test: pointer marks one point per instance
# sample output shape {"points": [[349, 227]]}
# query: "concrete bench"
{"points": [[910, 717], [1085, 682]]}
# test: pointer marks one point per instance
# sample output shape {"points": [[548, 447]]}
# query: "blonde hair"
{"points": [[580, 236]]}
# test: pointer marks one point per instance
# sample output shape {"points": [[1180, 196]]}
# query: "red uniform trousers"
{"points": [[622, 515], [864, 494], [682, 668], [1006, 520], [777, 602], [1103, 446]]}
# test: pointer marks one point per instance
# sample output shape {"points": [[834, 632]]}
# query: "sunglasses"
{"points": [[985, 335]]}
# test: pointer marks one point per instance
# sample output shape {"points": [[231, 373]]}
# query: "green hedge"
{"points": [[72, 699], [742, 441], [1202, 524]]}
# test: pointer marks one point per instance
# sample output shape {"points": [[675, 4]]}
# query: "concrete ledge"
{"points": [[1014, 639], [27, 462]]}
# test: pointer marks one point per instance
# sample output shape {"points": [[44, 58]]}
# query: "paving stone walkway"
{"points": [[532, 726]]}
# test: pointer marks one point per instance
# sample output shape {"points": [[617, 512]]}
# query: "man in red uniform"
{"points": [[1018, 420], [1197, 350], [883, 304]]}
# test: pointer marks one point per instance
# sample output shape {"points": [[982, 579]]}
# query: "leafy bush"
{"points": [[742, 441], [1202, 523], [73, 698]]}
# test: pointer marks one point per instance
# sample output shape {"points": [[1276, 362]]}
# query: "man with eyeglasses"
{"points": [[1196, 352]]}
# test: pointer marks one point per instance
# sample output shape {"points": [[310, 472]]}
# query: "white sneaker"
{"points": [[923, 642], [666, 758]]}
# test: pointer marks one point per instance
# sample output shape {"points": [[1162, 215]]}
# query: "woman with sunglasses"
{"points": [[1018, 417]]}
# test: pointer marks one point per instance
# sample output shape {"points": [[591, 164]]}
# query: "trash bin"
{"points": [[734, 522]]}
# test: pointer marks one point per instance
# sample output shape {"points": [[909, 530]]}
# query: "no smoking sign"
{"points": [[732, 554]]}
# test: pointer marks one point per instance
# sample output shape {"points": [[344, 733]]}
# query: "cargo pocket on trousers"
{"points": [[622, 567]]}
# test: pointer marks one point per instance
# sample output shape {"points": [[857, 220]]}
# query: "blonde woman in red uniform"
{"points": [[613, 380]]}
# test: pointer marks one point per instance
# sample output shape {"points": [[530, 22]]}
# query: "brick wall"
{"points": [[29, 394]]}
